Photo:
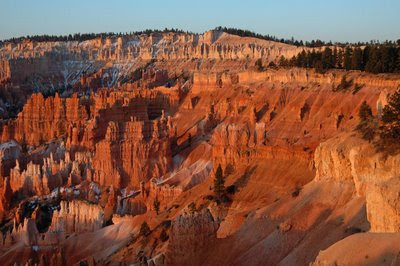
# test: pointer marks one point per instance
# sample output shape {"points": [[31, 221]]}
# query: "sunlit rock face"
{"points": [[110, 152], [77, 217]]}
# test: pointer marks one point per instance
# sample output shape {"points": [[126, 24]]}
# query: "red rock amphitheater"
{"points": [[139, 130]]}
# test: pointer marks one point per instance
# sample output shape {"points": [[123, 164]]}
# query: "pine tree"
{"points": [[367, 126], [292, 61], [339, 59], [344, 85], [219, 183], [392, 59], [163, 235], [356, 59], [283, 62], [156, 204], [190, 139], [365, 111], [365, 55], [301, 59], [347, 59], [259, 65], [310, 58], [327, 58], [335, 56], [391, 116], [385, 59], [373, 65], [144, 229], [398, 61], [319, 67]]}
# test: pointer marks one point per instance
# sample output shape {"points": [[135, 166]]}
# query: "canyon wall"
{"points": [[347, 158], [374, 176], [43, 119], [122, 160], [167, 46]]}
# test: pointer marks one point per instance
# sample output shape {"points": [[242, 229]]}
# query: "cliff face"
{"points": [[77, 217], [190, 236], [347, 159], [97, 63], [350, 159], [43, 119], [129, 147], [167, 46], [145, 153], [279, 114]]}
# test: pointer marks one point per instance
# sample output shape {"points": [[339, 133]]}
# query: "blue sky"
{"points": [[336, 20]]}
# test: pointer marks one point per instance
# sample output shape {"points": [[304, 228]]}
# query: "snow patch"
{"points": [[93, 186], [176, 161], [8, 145]]}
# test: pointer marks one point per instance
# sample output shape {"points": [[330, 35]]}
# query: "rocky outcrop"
{"points": [[383, 206], [287, 108], [105, 62], [5, 71], [6, 194], [233, 143], [167, 46], [131, 205], [145, 152], [361, 249], [25, 233], [77, 217], [307, 76], [44, 119], [40, 179], [375, 177], [9, 153], [30, 181], [190, 234], [211, 81]]}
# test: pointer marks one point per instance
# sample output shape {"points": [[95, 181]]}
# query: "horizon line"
{"points": [[178, 30]]}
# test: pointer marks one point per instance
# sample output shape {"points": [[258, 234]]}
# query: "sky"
{"points": [[335, 20]]}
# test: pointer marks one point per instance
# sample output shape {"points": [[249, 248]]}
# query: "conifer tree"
{"points": [[367, 126], [339, 59], [219, 182], [356, 59], [391, 116], [327, 58], [347, 58], [335, 56], [144, 229], [365, 111], [365, 55], [397, 69], [283, 62], [373, 63], [302, 59], [259, 65], [156, 204]]}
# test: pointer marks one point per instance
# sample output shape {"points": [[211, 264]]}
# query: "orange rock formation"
{"points": [[137, 129]]}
